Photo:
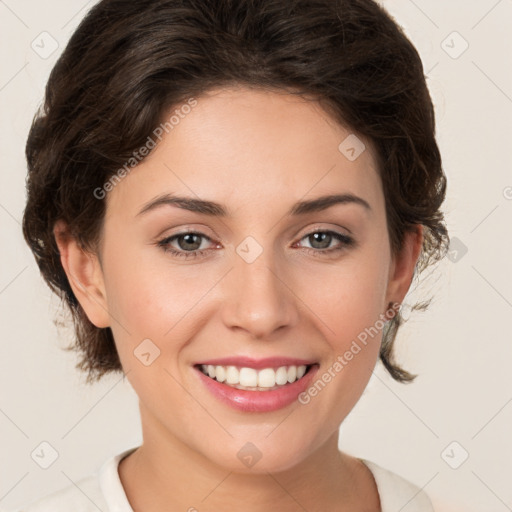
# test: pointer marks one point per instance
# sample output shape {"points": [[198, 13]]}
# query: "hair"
{"points": [[128, 63]]}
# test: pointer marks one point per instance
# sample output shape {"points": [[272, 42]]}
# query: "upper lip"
{"points": [[249, 362]]}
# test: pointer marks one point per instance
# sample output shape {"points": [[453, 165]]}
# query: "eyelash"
{"points": [[346, 241]]}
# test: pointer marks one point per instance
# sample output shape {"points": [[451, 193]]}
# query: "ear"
{"points": [[403, 264], [84, 274]]}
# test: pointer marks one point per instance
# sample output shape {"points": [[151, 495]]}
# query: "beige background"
{"points": [[461, 347]]}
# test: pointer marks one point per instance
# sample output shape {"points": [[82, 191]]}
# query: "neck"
{"points": [[165, 474]]}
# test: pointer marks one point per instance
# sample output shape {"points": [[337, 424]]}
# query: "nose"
{"points": [[258, 298]]}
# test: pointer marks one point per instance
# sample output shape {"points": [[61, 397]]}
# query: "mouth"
{"points": [[256, 385], [252, 379]]}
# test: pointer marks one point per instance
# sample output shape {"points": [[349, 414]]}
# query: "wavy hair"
{"points": [[129, 62]]}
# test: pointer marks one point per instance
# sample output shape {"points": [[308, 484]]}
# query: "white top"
{"points": [[103, 491]]}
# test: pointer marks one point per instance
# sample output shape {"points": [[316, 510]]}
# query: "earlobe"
{"points": [[84, 274], [403, 265]]}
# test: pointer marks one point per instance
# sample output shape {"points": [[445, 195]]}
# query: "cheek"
{"points": [[152, 298], [348, 297], [149, 304], [141, 286]]}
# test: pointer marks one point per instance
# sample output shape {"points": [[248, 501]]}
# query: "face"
{"points": [[258, 287]]}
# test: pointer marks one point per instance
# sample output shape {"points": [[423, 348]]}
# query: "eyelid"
{"points": [[345, 242], [321, 226], [167, 238], [187, 229]]}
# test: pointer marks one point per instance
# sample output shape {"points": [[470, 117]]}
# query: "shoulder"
{"points": [[84, 496], [397, 493], [101, 490]]}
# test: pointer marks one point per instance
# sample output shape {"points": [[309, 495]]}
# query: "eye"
{"points": [[321, 242], [188, 243]]}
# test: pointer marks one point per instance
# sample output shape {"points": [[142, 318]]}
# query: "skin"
{"points": [[256, 152]]}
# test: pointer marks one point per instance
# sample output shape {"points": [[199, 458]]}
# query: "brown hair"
{"points": [[128, 63]]}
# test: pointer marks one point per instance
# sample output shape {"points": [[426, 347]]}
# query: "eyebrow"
{"points": [[217, 210]]}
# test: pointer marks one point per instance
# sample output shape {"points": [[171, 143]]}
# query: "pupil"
{"points": [[189, 239], [322, 237]]}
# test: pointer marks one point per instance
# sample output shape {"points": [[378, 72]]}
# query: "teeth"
{"points": [[232, 376], [281, 376], [249, 378], [292, 373], [220, 374]]}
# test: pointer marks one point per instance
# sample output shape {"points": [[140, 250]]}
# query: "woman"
{"points": [[233, 197]]}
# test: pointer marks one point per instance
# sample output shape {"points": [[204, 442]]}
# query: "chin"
{"points": [[258, 456]]}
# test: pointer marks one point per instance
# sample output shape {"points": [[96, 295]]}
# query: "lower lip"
{"points": [[258, 401]]}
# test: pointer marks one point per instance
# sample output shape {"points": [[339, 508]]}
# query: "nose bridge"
{"points": [[257, 300]]}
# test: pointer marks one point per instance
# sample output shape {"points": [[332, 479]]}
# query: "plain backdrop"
{"points": [[449, 432]]}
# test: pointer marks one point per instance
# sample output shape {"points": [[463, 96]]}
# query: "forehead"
{"points": [[242, 146]]}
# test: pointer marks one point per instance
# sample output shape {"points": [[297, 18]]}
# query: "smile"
{"points": [[251, 385], [265, 379]]}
